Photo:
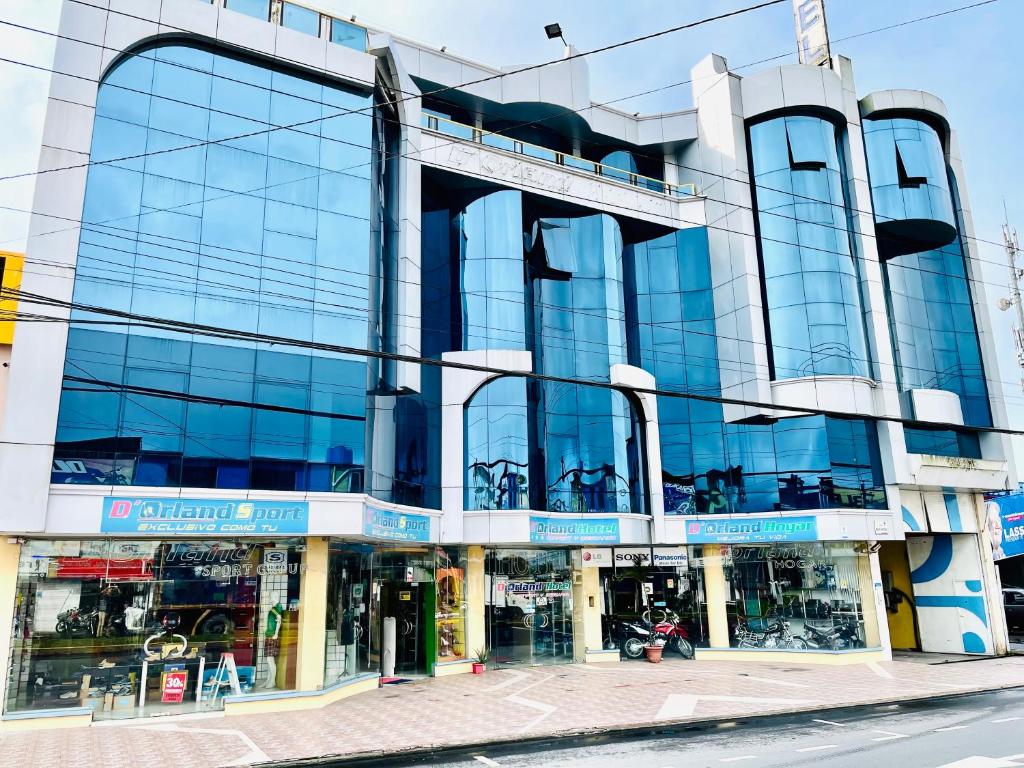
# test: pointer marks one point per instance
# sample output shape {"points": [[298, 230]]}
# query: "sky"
{"points": [[971, 59]]}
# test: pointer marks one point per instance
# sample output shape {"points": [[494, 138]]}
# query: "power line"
{"points": [[445, 89], [796, 245], [226, 333], [411, 96], [317, 305]]}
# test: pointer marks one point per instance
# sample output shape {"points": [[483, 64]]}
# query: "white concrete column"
{"points": [[633, 378], [457, 388]]}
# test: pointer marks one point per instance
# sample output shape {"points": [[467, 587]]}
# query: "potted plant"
{"points": [[654, 651], [480, 664]]}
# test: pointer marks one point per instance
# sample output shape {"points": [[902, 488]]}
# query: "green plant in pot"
{"points": [[482, 655]]}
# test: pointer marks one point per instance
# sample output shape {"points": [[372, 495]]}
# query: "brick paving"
{"points": [[503, 705]]}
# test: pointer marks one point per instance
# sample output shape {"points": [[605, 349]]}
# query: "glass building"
{"points": [[369, 374]]}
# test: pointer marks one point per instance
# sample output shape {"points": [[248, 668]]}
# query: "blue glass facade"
{"points": [[268, 234], [811, 286], [291, 233], [910, 189], [709, 466], [931, 315]]}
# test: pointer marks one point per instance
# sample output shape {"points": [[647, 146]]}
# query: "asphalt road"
{"points": [[978, 731]]}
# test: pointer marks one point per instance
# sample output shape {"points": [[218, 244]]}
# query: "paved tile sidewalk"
{"points": [[507, 704]]}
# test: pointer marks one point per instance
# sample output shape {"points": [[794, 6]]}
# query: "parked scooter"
{"points": [[838, 637], [74, 623], [675, 634]]}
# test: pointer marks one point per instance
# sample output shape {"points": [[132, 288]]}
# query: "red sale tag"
{"points": [[173, 688]]}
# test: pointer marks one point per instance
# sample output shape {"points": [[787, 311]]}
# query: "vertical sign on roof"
{"points": [[811, 32]]}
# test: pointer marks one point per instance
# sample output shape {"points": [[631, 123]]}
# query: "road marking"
{"points": [[486, 760], [818, 748], [735, 759], [255, 755], [890, 735], [829, 722], [1013, 757], [545, 709], [873, 666], [978, 761], [683, 704], [773, 681], [1004, 720], [950, 728], [512, 676]]}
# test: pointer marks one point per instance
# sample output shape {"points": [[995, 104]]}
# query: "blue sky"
{"points": [[971, 59]]}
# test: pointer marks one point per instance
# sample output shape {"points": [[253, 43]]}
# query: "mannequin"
{"points": [[272, 644]]}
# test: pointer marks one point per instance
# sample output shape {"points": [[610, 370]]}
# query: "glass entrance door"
{"points": [[529, 608]]}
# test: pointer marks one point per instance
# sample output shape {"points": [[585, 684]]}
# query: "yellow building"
{"points": [[11, 266]]}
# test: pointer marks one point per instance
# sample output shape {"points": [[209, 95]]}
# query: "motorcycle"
{"points": [[774, 632], [630, 636], [675, 634], [73, 622], [838, 637]]}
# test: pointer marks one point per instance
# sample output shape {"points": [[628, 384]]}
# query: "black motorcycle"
{"points": [[769, 632], [76, 623], [630, 636], [838, 637]]}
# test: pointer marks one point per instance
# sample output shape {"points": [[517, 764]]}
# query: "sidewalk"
{"points": [[505, 705]]}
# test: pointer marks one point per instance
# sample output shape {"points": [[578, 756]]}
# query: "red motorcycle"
{"points": [[671, 629]]}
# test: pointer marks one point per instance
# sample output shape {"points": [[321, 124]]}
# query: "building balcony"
{"points": [[447, 127]]}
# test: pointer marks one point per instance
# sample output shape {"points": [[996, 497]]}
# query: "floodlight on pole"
{"points": [[553, 31]]}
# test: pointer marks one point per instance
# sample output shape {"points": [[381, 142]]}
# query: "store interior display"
{"points": [[133, 627], [421, 589], [795, 596]]}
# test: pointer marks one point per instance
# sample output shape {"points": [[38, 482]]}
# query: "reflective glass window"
{"points": [[349, 35], [243, 235], [301, 19], [814, 311], [898, 150], [258, 8], [943, 442]]}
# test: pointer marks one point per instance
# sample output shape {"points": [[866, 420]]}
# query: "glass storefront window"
{"points": [[422, 590], [529, 606], [153, 627], [450, 612], [795, 596]]}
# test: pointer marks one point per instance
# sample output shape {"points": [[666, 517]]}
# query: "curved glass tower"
{"points": [[931, 314], [812, 296]]}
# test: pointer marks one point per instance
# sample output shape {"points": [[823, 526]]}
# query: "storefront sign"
{"points": [[175, 680], [1004, 521], [666, 557], [597, 557], [395, 526], [203, 516], [599, 530], [533, 587], [754, 531]]}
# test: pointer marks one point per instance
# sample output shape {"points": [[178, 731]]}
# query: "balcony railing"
{"points": [[507, 144]]}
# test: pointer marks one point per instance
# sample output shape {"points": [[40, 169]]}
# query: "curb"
{"points": [[625, 731]]}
